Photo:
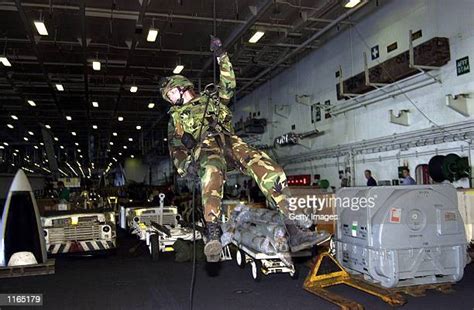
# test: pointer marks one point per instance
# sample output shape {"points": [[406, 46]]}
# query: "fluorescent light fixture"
{"points": [[96, 65], [56, 139], [124, 147], [111, 143], [178, 69], [4, 143], [351, 3], [165, 139], [60, 87], [36, 147], [14, 117], [138, 127], [120, 153], [2, 147], [114, 134], [4, 60], [95, 104], [10, 126], [25, 138], [94, 126], [76, 144], [79, 150], [80, 156], [132, 156], [32, 103], [69, 118], [47, 126], [31, 133], [152, 34], [130, 139], [256, 36], [151, 105], [73, 133], [41, 143], [120, 118], [61, 147], [133, 89], [41, 27]]}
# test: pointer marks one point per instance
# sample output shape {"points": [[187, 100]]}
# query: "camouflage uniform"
{"points": [[220, 147]]}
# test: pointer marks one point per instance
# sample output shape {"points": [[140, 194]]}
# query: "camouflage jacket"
{"points": [[189, 117]]}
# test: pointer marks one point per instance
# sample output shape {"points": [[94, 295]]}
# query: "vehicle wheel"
{"points": [[295, 274], [240, 258], [256, 270], [155, 247]]}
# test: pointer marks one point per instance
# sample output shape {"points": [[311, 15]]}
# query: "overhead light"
{"points": [[94, 126], [73, 133], [133, 89], [56, 139], [80, 156], [165, 139], [138, 127], [132, 156], [60, 87], [61, 147], [124, 147], [69, 118], [115, 159], [31, 133], [2, 147], [25, 138], [4, 60], [36, 147], [130, 139], [120, 153], [95, 104], [351, 3], [151, 105], [96, 65], [111, 143], [114, 134], [47, 126], [120, 118], [79, 150], [14, 117], [4, 143], [152, 34], [41, 143], [41, 27], [256, 36], [32, 103], [10, 126], [76, 144], [178, 69]]}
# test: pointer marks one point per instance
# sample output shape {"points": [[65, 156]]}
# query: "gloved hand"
{"points": [[188, 141], [216, 46], [192, 169]]}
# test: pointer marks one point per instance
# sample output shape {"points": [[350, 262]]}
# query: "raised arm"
{"points": [[227, 81]]}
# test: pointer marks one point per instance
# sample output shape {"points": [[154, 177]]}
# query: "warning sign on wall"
{"points": [[395, 215], [462, 65]]}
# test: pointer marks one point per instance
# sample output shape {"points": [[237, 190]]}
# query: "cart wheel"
{"points": [[295, 274], [155, 247], [256, 270], [240, 258]]}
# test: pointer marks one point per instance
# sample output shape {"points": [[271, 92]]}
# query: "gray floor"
{"points": [[133, 281]]}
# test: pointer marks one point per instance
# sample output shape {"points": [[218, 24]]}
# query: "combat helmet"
{"points": [[170, 82]]}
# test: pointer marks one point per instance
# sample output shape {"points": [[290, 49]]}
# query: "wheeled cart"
{"points": [[263, 264]]}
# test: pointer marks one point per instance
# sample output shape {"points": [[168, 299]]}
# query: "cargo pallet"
{"points": [[28, 270]]}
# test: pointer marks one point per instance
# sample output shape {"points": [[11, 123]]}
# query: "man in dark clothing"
{"points": [[370, 180]]}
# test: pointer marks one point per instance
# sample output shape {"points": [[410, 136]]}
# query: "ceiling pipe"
{"points": [[304, 44]]}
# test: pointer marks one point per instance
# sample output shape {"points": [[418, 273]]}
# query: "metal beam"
{"points": [[261, 8], [303, 45]]}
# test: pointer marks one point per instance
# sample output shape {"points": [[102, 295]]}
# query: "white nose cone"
{"points": [[20, 183], [22, 259]]}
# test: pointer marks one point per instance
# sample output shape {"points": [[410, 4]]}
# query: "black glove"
{"points": [[188, 141], [216, 46], [192, 170]]}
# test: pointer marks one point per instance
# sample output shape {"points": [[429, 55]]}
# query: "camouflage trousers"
{"points": [[219, 152]]}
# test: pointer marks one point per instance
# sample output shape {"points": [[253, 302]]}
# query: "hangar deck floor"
{"points": [[133, 281]]}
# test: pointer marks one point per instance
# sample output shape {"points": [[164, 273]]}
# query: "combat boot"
{"points": [[301, 239], [212, 238]]}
